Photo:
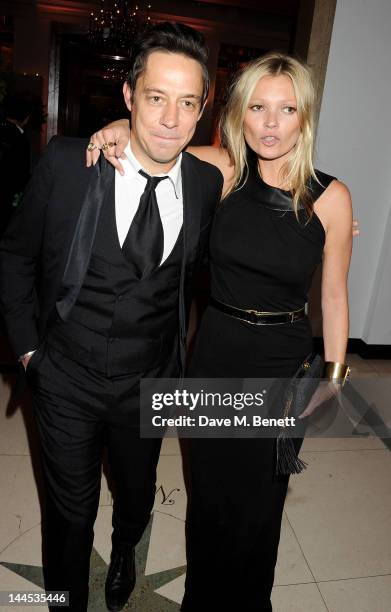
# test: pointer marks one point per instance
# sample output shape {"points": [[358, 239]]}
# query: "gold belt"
{"points": [[259, 317]]}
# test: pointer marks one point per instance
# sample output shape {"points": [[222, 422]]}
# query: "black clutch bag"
{"points": [[296, 398]]}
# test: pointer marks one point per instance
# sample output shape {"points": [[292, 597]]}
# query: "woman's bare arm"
{"points": [[117, 133], [336, 210]]}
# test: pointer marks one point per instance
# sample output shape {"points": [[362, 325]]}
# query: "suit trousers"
{"points": [[233, 525], [79, 411]]}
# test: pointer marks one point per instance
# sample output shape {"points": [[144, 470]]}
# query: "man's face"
{"points": [[165, 106]]}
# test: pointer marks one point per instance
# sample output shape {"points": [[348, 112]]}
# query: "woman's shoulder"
{"points": [[333, 204], [328, 185], [318, 184]]}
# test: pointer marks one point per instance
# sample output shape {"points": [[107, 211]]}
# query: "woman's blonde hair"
{"points": [[298, 169]]}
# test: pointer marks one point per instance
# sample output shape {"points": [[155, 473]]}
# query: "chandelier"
{"points": [[114, 25]]}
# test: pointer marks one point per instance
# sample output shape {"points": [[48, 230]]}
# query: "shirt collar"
{"points": [[134, 166]]}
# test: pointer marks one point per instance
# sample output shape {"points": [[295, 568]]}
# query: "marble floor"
{"points": [[335, 548]]}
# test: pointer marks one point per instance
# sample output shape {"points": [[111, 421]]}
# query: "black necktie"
{"points": [[143, 245]]}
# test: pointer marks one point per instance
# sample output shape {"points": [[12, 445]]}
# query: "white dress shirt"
{"points": [[128, 190]]}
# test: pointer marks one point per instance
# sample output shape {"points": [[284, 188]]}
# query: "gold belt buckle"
{"points": [[256, 312], [253, 313], [260, 313], [292, 315]]}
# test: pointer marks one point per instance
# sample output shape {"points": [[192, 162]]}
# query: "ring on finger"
{"points": [[107, 145], [91, 147]]}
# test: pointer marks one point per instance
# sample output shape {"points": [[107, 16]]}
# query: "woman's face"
{"points": [[271, 124]]}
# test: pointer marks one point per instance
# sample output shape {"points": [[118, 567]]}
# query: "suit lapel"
{"points": [[192, 205], [102, 177]]}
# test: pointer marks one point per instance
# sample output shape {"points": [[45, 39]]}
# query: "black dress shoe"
{"points": [[121, 578]]}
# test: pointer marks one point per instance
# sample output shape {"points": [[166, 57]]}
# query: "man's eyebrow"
{"points": [[154, 90], [160, 91]]}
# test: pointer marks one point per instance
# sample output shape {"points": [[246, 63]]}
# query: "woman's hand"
{"points": [[116, 135], [326, 390], [355, 227]]}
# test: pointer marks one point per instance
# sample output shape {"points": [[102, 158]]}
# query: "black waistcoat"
{"points": [[120, 324]]}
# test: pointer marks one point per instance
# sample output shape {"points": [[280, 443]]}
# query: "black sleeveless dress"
{"points": [[261, 257]]}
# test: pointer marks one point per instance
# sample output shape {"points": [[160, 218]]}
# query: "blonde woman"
{"points": [[278, 220]]}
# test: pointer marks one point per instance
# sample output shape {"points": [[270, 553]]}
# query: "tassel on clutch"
{"points": [[300, 389]]}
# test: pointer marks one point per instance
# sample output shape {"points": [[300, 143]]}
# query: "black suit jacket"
{"points": [[45, 251]]}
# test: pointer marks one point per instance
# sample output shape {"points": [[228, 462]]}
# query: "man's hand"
{"points": [[116, 135], [25, 359]]}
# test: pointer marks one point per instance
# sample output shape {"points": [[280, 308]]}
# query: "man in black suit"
{"points": [[96, 272]]}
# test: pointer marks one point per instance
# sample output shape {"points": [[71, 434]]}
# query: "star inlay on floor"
{"points": [[143, 597]]}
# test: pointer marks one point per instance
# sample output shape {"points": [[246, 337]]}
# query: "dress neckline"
{"points": [[272, 197], [285, 191]]}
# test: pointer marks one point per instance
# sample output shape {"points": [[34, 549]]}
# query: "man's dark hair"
{"points": [[174, 38]]}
